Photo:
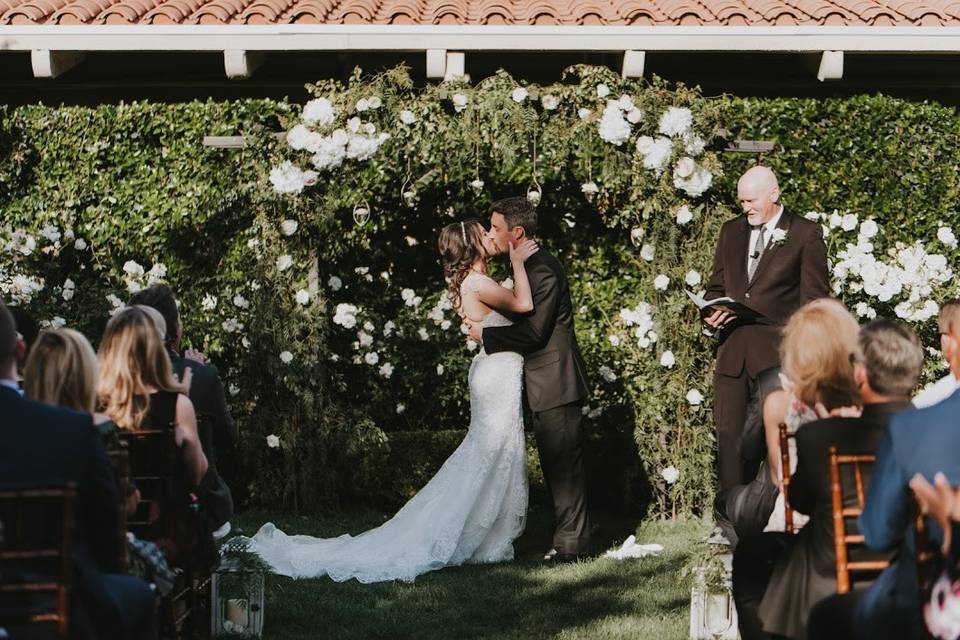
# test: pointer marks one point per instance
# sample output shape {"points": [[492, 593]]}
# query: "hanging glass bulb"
{"points": [[361, 213]]}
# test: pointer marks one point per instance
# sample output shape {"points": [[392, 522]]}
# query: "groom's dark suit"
{"points": [[556, 383], [789, 275]]}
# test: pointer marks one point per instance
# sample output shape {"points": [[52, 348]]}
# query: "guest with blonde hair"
{"points": [[61, 370], [137, 389]]}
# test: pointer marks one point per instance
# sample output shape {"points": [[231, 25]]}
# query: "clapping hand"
{"points": [[523, 250], [196, 356], [940, 501]]}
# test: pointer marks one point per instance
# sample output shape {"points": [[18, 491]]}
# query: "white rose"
{"points": [[445, 325], [778, 235], [372, 358], [233, 389], [661, 282], [241, 302], [335, 283], [407, 117], [607, 373], [602, 90], [550, 102], [685, 167], [374, 102], [634, 116], [401, 408], [693, 278], [676, 121], [422, 332], [303, 296], [286, 357], [625, 102], [869, 228], [584, 113], [647, 252], [386, 369], [849, 222], [670, 475], [636, 235], [614, 340], [288, 227], [362, 105], [667, 360], [459, 102], [273, 441], [80, 244], [519, 95], [284, 262], [209, 302], [440, 369], [318, 111], [684, 215], [471, 345], [946, 236], [694, 397], [133, 269]]}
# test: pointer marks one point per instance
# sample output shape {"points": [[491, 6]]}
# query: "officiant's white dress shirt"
{"points": [[768, 228]]}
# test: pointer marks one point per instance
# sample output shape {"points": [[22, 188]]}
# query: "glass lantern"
{"points": [[237, 605]]}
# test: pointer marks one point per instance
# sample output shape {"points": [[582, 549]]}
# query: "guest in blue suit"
{"points": [[46, 445], [923, 441]]}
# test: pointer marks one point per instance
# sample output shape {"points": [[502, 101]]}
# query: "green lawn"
{"points": [[600, 598]]}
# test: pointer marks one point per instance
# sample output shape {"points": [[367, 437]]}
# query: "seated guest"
{"points": [[28, 330], [923, 441], [209, 401], [136, 388], [887, 366], [941, 597], [945, 386], [62, 371], [758, 506], [41, 444], [778, 577]]}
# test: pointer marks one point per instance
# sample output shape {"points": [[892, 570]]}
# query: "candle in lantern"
{"points": [[237, 611]]}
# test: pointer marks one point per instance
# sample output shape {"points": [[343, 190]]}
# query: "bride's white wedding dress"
{"points": [[470, 511]]}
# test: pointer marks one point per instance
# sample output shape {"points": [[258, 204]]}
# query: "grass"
{"points": [[596, 599]]}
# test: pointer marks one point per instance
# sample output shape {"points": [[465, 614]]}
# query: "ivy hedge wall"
{"points": [[303, 309]]}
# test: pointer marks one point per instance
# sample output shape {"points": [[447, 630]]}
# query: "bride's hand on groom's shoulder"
{"points": [[522, 251]]}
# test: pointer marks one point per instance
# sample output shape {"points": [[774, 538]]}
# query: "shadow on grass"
{"points": [[600, 598]]}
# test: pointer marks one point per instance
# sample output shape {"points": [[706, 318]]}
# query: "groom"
{"points": [[554, 375]]}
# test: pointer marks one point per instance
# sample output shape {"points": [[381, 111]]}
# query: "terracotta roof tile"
{"points": [[491, 12]]}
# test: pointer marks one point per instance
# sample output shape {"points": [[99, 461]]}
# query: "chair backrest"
{"points": [[153, 462], [844, 541], [785, 437], [36, 555], [120, 461]]}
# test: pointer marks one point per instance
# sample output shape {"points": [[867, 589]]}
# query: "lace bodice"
{"points": [[470, 284]]}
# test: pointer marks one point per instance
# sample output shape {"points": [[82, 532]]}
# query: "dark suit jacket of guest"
{"points": [[921, 441], [806, 573], [554, 371], [788, 276], [217, 430], [40, 444]]}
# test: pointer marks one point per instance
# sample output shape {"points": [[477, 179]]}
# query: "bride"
{"points": [[476, 504]]}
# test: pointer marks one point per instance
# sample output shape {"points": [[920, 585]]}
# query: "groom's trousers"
{"points": [[558, 439]]}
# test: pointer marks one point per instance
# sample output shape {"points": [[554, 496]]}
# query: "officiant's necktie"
{"points": [[757, 253]]}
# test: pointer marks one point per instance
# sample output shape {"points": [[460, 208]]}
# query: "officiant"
{"points": [[772, 261]]}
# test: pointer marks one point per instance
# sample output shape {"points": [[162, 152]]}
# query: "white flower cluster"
{"points": [[357, 140], [676, 121], [137, 279], [905, 278], [691, 178], [346, 315], [19, 289], [614, 126], [640, 317], [656, 153]]}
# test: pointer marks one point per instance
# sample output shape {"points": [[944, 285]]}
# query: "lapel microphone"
{"points": [[754, 255]]}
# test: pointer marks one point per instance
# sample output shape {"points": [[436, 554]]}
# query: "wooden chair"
{"points": [[36, 556], [785, 437], [120, 461], [843, 540], [154, 464]]}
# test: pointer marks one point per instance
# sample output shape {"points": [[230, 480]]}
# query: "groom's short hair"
{"points": [[518, 212]]}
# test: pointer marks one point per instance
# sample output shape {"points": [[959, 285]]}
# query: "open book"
{"points": [[741, 310]]}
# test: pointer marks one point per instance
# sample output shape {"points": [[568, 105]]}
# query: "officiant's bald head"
{"points": [[759, 194]]}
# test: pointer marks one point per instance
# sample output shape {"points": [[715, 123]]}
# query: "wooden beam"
{"points": [[240, 64], [831, 66], [633, 63], [50, 64]]}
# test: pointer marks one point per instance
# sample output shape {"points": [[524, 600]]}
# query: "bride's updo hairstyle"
{"points": [[460, 244]]}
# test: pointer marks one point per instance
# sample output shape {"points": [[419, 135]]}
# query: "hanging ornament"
{"points": [[589, 188], [477, 184], [534, 191], [361, 213], [410, 197]]}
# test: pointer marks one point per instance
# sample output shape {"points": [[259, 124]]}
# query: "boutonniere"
{"points": [[778, 237]]}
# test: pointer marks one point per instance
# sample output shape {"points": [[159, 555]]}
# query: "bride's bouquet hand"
{"points": [[521, 252]]}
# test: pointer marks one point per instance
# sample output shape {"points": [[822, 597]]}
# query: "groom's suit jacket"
{"points": [[789, 275], [554, 371]]}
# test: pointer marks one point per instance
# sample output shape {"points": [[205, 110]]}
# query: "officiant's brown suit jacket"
{"points": [[790, 274]]}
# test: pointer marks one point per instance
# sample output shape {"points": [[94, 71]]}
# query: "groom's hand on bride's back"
{"points": [[476, 330]]}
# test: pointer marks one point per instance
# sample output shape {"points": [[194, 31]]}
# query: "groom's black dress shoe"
{"points": [[566, 558]]}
